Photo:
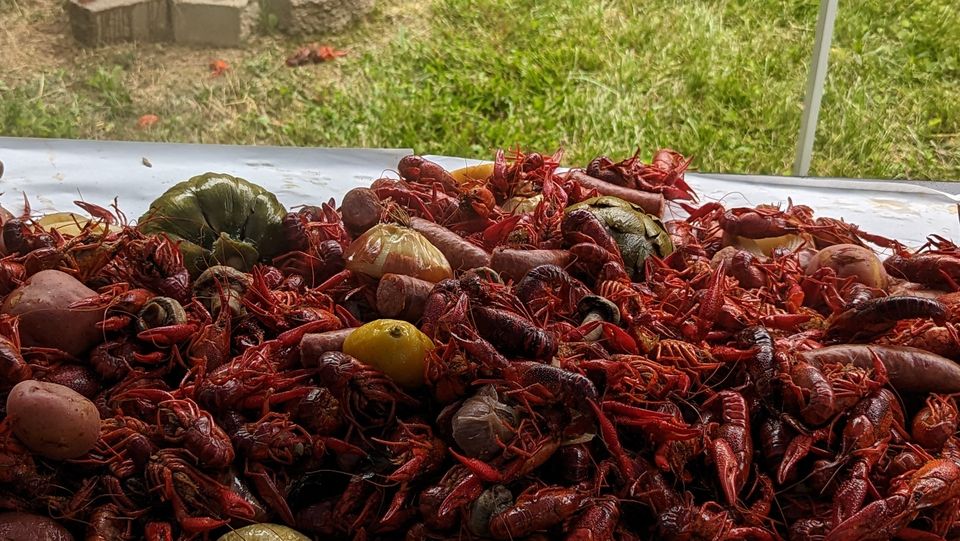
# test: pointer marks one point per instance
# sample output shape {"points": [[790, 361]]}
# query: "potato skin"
{"points": [[52, 420], [28, 527], [46, 321]]}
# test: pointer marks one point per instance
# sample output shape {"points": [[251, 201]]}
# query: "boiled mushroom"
{"points": [[596, 308]]}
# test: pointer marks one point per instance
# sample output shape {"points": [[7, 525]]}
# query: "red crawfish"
{"points": [[272, 440], [365, 393], [255, 379], [876, 316], [935, 422], [936, 264], [183, 422], [13, 367], [935, 483], [549, 290], [124, 446], [122, 304], [200, 503], [108, 523], [152, 262], [664, 175], [730, 444], [537, 510]]}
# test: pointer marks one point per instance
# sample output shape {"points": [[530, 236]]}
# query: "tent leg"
{"points": [[815, 81]]}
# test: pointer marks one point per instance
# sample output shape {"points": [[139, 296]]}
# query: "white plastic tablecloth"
{"points": [[53, 173]]}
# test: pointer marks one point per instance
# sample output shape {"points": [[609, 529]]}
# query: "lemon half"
{"points": [[396, 348]]}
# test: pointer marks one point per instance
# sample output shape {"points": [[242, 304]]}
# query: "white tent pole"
{"points": [[815, 81]]}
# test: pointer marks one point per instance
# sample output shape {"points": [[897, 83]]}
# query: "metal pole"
{"points": [[815, 81]]}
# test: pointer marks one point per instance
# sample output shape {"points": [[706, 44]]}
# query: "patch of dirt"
{"points": [[35, 38]]}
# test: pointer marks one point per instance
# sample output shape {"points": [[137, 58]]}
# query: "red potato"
{"points": [[514, 264], [460, 253], [402, 297], [651, 203], [28, 527], [909, 369], [851, 260], [46, 320], [313, 345], [52, 420]]}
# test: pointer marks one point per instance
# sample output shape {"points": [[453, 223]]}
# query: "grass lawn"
{"points": [[719, 79]]}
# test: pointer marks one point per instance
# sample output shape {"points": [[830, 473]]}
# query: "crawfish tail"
{"points": [[569, 387], [876, 316], [763, 369], [548, 276], [514, 334], [902, 307], [816, 400]]}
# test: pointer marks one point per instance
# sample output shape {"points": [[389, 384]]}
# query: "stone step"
{"points": [[310, 17], [100, 22], [218, 23]]}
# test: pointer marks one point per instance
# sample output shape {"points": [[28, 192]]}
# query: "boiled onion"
{"points": [[396, 249]]}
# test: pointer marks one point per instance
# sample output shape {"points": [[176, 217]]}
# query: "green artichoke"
{"points": [[637, 233], [220, 220]]}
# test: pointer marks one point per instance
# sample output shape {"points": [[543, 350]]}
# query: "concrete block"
{"points": [[311, 17], [220, 23], [98, 22]]}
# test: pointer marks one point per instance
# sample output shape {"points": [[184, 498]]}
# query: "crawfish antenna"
{"points": [[395, 213]]}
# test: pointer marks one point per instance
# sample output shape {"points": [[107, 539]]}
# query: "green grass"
{"points": [[721, 80]]}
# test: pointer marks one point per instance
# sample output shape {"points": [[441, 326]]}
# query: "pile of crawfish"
{"points": [[575, 391]]}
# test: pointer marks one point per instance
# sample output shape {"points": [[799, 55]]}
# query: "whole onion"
{"points": [[851, 260], [396, 249]]}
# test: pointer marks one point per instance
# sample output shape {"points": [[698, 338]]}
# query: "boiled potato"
{"points": [[45, 319], [52, 420], [28, 527], [851, 260]]}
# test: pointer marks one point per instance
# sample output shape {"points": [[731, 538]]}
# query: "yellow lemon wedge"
{"points": [[395, 347], [67, 223], [473, 172]]}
